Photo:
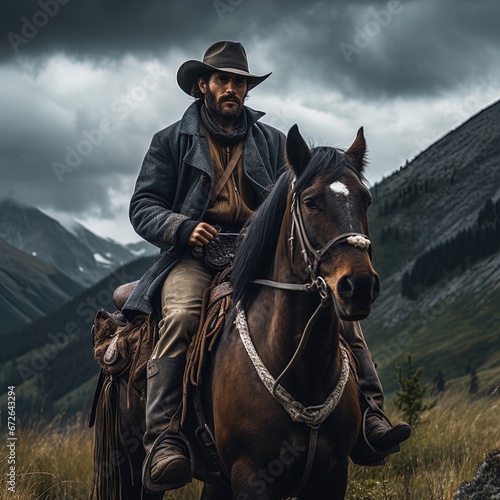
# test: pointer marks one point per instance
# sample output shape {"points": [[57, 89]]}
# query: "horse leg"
{"points": [[331, 487], [249, 482], [211, 492]]}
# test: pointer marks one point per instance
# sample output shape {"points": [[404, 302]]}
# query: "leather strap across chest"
{"points": [[227, 172]]}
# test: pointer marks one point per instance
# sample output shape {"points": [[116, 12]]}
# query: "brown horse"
{"points": [[284, 398]]}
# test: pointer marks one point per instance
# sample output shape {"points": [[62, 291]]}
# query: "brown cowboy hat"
{"points": [[221, 56]]}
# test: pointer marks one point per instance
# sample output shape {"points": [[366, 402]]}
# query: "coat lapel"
{"points": [[198, 156]]}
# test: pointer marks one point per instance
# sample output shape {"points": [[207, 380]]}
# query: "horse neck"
{"points": [[314, 375]]}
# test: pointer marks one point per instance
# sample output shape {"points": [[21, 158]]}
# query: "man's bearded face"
{"points": [[225, 94]]}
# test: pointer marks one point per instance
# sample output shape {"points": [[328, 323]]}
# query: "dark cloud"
{"points": [[68, 64], [366, 47]]}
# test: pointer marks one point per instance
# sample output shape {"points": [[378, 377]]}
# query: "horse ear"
{"points": [[358, 150], [297, 151]]}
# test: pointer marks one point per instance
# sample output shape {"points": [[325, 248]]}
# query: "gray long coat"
{"points": [[174, 186]]}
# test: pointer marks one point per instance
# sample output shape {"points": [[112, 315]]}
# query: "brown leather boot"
{"points": [[383, 436], [168, 463], [380, 437]]}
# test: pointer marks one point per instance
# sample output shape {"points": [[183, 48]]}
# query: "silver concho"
{"points": [[111, 354]]}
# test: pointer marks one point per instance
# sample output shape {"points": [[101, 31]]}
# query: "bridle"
{"points": [[312, 256]]}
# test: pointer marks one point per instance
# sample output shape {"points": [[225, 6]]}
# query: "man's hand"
{"points": [[202, 234]]}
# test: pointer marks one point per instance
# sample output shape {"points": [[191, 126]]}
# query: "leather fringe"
{"points": [[106, 482]]}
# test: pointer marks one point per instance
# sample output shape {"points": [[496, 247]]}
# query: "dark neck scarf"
{"points": [[222, 136]]}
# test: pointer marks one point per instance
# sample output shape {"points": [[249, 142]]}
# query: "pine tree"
{"points": [[410, 395], [439, 383]]}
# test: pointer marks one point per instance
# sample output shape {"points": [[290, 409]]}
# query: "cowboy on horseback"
{"points": [[202, 178]]}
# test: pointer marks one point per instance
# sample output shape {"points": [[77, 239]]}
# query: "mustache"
{"points": [[231, 98]]}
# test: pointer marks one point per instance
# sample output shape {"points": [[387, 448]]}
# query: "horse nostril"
{"points": [[345, 287], [351, 287]]}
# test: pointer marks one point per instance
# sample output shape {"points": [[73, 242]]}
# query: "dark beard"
{"points": [[216, 107]]}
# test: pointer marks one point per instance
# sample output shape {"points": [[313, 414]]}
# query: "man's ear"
{"points": [[202, 85]]}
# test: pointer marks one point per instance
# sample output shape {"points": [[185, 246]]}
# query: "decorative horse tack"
{"points": [[313, 416]]}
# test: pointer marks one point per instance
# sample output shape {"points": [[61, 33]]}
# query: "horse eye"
{"points": [[310, 204]]}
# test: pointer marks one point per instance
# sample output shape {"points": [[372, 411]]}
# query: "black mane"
{"points": [[258, 245]]}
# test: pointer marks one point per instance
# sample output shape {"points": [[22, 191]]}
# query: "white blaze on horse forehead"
{"points": [[339, 187]]}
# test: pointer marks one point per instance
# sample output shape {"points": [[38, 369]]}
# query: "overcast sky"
{"points": [[85, 84]]}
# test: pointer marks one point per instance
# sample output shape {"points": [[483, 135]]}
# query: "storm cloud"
{"points": [[86, 84]]}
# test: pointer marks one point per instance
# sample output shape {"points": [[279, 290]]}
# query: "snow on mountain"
{"points": [[69, 247], [102, 260], [29, 288]]}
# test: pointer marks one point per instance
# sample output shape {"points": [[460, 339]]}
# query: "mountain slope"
{"points": [[75, 251], [29, 288], [442, 190], [432, 211], [55, 354]]}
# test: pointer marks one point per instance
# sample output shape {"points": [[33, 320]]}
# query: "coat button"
{"points": [[191, 212], [204, 178]]}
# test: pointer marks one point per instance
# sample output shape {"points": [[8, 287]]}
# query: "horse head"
{"points": [[330, 228]]}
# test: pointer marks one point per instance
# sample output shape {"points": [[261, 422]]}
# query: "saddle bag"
{"points": [[120, 345]]}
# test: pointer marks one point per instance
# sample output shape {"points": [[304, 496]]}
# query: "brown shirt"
{"points": [[235, 202]]}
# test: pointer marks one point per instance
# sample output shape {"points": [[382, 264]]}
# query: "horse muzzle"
{"points": [[355, 294]]}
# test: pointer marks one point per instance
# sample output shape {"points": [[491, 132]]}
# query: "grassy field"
{"points": [[445, 449]]}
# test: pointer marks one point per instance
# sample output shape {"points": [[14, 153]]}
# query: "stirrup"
{"points": [[379, 412], [152, 487], [373, 456]]}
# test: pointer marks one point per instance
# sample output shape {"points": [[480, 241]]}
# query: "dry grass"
{"points": [[444, 450], [56, 463], [52, 462]]}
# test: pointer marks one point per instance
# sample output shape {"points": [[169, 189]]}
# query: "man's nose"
{"points": [[231, 86]]}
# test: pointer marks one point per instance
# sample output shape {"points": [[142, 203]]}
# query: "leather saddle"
{"points": [[122, 293]]}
